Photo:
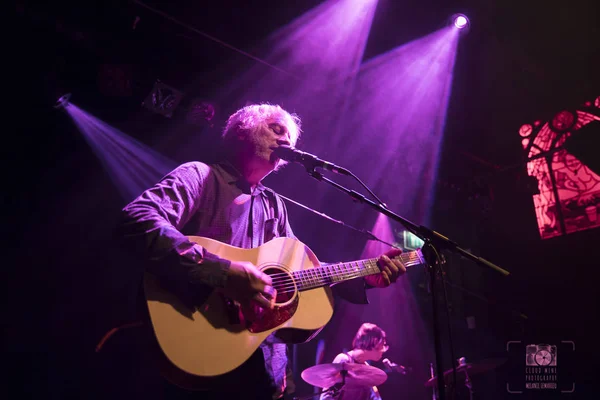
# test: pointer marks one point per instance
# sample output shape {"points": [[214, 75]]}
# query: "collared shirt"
{"points": [[212, 201]]}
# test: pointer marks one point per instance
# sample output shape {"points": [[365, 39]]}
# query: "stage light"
{"points": [[201, 112], [460, 21], [63, 101], [163, 99]]}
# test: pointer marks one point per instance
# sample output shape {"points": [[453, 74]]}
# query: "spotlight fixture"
{"points": [[460, 21], [163, 99], [63, 101], [201, 112]]}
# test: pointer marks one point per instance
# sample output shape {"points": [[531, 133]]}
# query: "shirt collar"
{"points": [[234, 177]]}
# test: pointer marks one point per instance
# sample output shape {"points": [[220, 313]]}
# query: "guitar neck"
{"points": [[329, 274]]}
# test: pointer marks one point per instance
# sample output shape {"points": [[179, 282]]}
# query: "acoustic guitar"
{"points": [[217, 337]]}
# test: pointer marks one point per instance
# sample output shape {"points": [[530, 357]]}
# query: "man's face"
{"points": [[275, 132], [378, 351]]}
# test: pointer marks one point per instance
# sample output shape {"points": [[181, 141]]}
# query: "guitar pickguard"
{"points": [[259, 319], [268, 319]]}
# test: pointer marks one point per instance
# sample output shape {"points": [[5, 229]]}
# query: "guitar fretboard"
{"points": [[334, 273]]}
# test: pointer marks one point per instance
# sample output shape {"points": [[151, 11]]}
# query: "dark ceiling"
{"points": [[520, 61]]}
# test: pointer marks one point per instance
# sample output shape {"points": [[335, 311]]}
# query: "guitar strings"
{"points": [[290, 281], [404, 258], [344, 266], [284, 286], [303, 285], [308, 285], [326, 271], [319, 273]]}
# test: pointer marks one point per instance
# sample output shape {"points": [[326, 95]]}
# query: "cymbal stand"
{"points": [[434, 388], [334, 390], [469, 385]]}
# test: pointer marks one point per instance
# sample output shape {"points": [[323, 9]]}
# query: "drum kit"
{"points": [[333, 378]]}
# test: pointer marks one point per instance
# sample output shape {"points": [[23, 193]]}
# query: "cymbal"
{"points": [[327, 375], [470, 369]]}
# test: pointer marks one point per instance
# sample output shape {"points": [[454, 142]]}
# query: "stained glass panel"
{"points": [[569, 189]]}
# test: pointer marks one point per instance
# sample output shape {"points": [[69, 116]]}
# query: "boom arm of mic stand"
{"points": [[421, 231]]}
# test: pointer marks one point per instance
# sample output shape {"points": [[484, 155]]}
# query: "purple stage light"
{"points": [[460, 21], [63, 101]]}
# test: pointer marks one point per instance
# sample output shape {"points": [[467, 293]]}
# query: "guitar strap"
{"points": [[274, 222], [275, 205]]}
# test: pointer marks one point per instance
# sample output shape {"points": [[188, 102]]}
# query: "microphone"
{"points": [[395, 367], [309, 161]]}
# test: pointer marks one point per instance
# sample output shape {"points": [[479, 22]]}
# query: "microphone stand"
{"points": [[434, 242]]}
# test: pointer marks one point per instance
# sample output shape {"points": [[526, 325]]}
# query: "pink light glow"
{"points": [[577, 186], [460, 21], [400, 99], [131, 165]]}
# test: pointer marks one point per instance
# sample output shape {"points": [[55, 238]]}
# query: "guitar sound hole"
{"points": [[283, 283]]}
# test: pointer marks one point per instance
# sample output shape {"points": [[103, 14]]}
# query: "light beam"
{"points": [[131, 165]]}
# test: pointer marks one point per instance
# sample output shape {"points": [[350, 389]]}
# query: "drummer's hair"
{"points": [[368, 337]]}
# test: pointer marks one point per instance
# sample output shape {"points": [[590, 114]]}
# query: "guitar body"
{"points": [[202, 344]]}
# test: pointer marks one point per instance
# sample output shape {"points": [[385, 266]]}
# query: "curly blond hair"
{"points": [[251, 117]]}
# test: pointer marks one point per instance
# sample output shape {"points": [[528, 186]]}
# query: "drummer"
{"points": [[369, 344]]}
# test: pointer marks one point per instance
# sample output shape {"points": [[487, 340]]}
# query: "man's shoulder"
{"points": [[342, 358], [197, 167]]}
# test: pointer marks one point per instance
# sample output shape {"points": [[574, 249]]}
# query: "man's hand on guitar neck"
{"points": [[391, 269], [245, 283]]}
